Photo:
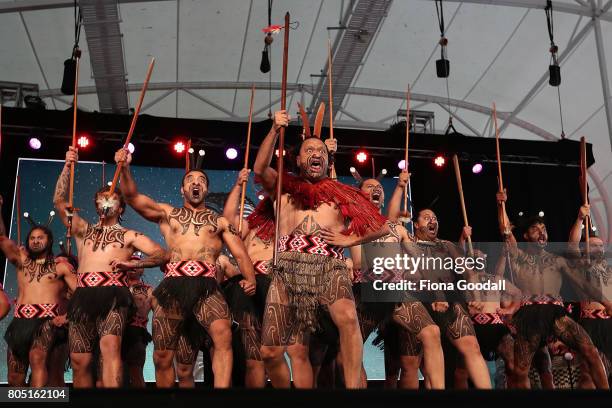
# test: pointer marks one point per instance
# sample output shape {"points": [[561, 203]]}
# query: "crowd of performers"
{"points": [[245, 313]]}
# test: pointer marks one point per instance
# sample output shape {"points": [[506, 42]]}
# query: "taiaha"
{"points": [[332, 170], [18, 218], [188, 153], [462, 201], [584, 190], [133, 125], [246, 158], [71, 210], [500, 182], [405, 216], [281, 143]]}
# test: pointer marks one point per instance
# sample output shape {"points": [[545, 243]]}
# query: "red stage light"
{"points": [[439, 161], [83, 142], [179, 147], [361, 156]]}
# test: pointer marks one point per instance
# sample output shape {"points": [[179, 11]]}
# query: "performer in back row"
{"points": [[190, 302], [101, 304]]}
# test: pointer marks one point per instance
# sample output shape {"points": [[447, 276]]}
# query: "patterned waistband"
{"points": [[101, 279], [36, 310], [309, 244], [139, 321], [541, 300], [594, 314], [487, 318], [262, 267], [190, 268], [357, 275]]}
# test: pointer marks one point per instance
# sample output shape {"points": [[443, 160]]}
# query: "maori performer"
{"points": [[542, 314], [449, 311], [189, 298], [311, 270], [42, 283], [136, 337], [595, 317], [5, 303], [406, 327], [101, 304]]}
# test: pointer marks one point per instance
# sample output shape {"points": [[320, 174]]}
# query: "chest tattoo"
{"points": [[104, 236], [34, 270], [308, 226], [186, 217]]}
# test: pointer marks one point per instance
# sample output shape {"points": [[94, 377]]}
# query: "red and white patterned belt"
{"points": [[487, 318], [357, 275], [594, 314], [101, 279], [262, 267], [309, 244], [36, 310], [541, 300], [190, 268]]}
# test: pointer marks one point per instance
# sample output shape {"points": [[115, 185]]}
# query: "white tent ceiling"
{"points": [[205, 50]]}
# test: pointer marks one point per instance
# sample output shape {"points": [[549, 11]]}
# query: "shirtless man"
{"points": [[539, 274], [416, 327], [99, 308], [450, 315], [136, 338], [595, 317], [5, 303], [190, 301], [42, 283], [311, 270]]}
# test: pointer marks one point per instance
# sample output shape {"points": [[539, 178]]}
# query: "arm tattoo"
{"points": [[154, 259], [232, 229], [61, 187], [185, 217]]}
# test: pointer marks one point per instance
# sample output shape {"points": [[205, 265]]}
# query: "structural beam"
{"points": [[605, 83]]}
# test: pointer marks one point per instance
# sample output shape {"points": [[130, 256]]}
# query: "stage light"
{"points": [[83, 142], [231, 153], [276, 153], [361, 156], [131, 148], [401, 164], [191, 150], [520, 214], [261, 196], [439, 161], [201, 152], [26, 214], [541, 213], [593, 228], [35, 143], [477, 168], [179, 147], [384, 172]]}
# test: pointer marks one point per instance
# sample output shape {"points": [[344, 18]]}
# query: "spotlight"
{"points": [[541, 214], [593, 228], [231, 153], [261, 196], [83, 142], [35, 143], [131, 148], [110, 183], [384, 172], [276, 153], [179, 147], [439, 161], [26, 214], [477, 168], [191, 150], [361, 156], [520, 214], [401, 164]]}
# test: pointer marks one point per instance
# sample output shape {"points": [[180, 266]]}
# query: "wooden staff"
{"points": [[75, 100], [246, 159], [103, 173], [500, 179], [332, 170], [133, 125], [405, 212], [281, 142], [462, 201], [188, 157], [585, 195], [18, 187], [0, 129]]}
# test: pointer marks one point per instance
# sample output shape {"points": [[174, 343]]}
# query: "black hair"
{"points": [[49, 258], [533, 221], [197, 170]]}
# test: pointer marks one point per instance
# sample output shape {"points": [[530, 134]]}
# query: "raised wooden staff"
{"points": [[246, 159], [18, 188], [332, 169], [404, 214], [281, 143], [585, 195], [71, 209], [500, 180], [133, 125], [462, 201]]}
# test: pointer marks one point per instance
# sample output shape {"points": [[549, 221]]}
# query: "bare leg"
{"points": [[300, 364], [524, 350], [221, 333], [505, 350], [276, 366], [409, 377], [112, 369], [392, 369], [38, 364], [543, 364], [474, 362], [81, 370], [344, 315], [56, 361], [461, 375], [16, 371], [184, 372], [255, 374]]}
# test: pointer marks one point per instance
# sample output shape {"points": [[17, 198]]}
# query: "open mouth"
{"points": [[195, 192], [541, 241], [432, 228], [376, 198], [316, 165]]}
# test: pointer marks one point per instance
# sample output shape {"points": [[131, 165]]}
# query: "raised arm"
{"points": [[236, 246], [505, 226], [9, 247], [5, 304], [231, 210], [156, 255], [142, 204], [60, 198], [262, 168], [576, 231], [395, 203]]}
